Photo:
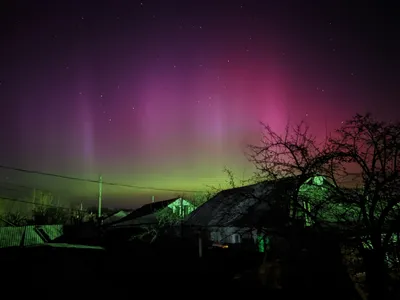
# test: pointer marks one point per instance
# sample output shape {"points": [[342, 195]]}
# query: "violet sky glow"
{"points": [[167, 93]]}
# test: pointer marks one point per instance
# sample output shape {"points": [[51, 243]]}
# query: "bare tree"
{"points": [[46, 212], [370, 209], [372, 149], [294, 154], [14, 219]]}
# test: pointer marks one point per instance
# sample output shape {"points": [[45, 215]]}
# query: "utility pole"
{"points": [[100, 194]]}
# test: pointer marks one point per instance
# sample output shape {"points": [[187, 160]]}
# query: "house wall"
{"points": [[182, 207], [313, 193], [231, 235]]}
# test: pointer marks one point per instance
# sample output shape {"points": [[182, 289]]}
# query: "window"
{"points": [[236, 238]]}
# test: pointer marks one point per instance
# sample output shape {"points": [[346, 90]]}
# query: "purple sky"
{"points": [[166, 93]]}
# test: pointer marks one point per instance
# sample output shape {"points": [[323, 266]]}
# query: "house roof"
{"points": [[145, 210], [115, 217], [244, 206], [28, 235], [66, 245]]}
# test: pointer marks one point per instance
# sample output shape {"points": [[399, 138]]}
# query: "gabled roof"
{"points": [[145, 210], [115, 217], [244, 206]]}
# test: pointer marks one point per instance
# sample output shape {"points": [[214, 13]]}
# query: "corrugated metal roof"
{"points": [[239, 206], [228, 206], [13, 236], [69, 246], [53, 231]]}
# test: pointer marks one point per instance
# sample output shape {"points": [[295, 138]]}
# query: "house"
{"points": [[148, 213], [114, 217], [182, 207], [28, 235], [236, 216]]}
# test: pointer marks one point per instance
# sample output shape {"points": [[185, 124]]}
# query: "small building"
{"points": [[149, 213], [239, 215]]}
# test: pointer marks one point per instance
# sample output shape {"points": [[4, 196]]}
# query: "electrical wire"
{"points": [[96, 181], [39, 204]]}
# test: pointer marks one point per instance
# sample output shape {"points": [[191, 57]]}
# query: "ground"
{"points": [[171, 267]]}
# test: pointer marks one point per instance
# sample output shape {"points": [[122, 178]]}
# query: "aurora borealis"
{"points": [[166, 93]]}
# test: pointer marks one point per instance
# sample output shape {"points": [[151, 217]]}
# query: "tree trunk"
{"points": [[376, 274]]}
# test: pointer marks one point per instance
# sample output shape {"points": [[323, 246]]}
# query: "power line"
{"points": [[96, 181], [7, 184], [34, 203]]}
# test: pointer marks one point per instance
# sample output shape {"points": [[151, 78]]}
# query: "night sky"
{"points": [[166, 93]]}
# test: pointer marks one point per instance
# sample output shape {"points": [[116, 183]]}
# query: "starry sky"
{"points": [[165, 94]]}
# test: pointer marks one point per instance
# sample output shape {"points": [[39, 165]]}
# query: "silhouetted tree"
{"points": [[46, 212], [295, 154], [14, 219], [370, 209], [371, 148]]}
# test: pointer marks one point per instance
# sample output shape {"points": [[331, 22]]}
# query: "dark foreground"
{"points": [[171, 270]]}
